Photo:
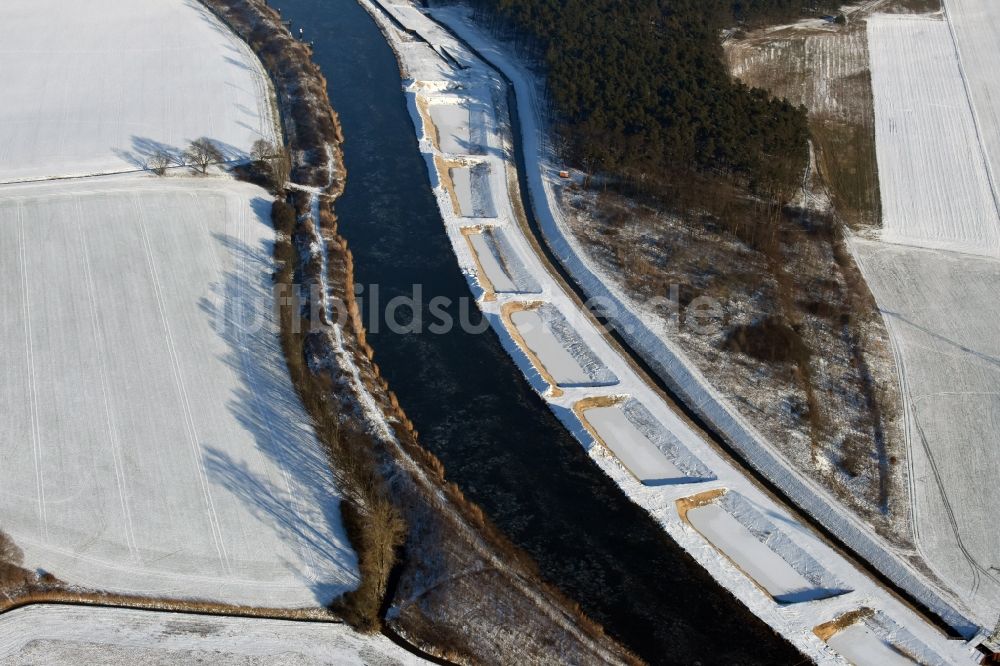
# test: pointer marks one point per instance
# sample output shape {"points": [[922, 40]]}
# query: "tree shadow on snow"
{"points": [[208, 17], [301, 502], [144, 149]]}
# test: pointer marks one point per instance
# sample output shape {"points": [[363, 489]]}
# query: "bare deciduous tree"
{"points": [[261, 151], [159, 161], [201, 153], [272, 161]]}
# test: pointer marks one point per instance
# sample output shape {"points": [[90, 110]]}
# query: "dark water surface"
{"points": [[473, 409]]}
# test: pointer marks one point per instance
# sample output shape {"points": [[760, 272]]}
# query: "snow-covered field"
{"points": [[976, 27], [117, 636], [98, 86], [475, 79], [806, 64], [934, 177], [941, 311], [937, 140], [153, 443]]}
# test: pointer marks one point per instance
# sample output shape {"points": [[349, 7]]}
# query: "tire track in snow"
{"points": [[116, 446], [36, 439], [192, 431], [973, 564]]}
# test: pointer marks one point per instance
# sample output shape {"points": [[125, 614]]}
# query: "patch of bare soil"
{"points": [[444, 168], [827, 630]]}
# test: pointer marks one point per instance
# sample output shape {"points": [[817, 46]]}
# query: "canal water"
{"points": [[497, 439]]}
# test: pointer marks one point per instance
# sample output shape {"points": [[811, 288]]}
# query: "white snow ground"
{"points": [[47, 634], [153, 443], [474, 79], [96, 87]]}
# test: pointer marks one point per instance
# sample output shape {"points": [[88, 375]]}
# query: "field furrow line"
{"points": [[190, 426], [113, 437], [36, 439]]}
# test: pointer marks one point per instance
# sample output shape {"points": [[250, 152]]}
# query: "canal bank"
{"points": [[473, 408]]}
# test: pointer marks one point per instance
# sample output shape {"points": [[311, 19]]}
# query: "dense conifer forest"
{"points": [[639, 88]]}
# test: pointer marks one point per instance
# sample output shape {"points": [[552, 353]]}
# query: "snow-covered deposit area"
{"points": [[867, 637], [499, 264], [560, 351], [153, 443], [644, 446], [630, 431], [860, 645], [472, 188], [934, 176], [741, 531], [117, 636], [97, 87], [870, 638], [936, 113]]}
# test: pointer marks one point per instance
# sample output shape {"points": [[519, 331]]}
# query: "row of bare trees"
{"points": [[200, 154], [267, 161]]}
